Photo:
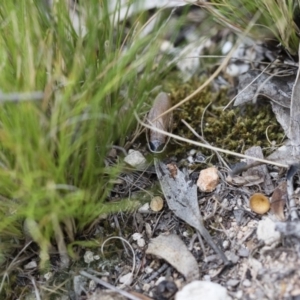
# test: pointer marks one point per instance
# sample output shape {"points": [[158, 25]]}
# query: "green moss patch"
{"points": [[235, 129]]}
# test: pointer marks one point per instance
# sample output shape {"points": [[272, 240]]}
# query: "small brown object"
{"points": [[161, 104], [157, 203], [173, 170], [259, 203], [278, 201]]}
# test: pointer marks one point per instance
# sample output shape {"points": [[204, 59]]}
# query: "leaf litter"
{"points": [[260, 258], [181, 195]]}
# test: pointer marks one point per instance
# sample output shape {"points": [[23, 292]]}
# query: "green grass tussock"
{"points": [[277, 19], [52, 150]]}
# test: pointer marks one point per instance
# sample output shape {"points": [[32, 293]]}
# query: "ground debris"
{"points": [[203, 290], [267, 233], [260, 171], [289, 228], [181, 195], [174, 251]]}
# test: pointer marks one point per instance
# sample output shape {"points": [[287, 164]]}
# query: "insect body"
{"points": [[157, 141]]}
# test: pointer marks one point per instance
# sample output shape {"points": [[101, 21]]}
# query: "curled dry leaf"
{"points": [[259, 203], [172, 249], [157, 141], [278, 201]]}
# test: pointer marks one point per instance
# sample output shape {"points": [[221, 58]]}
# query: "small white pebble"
{"points": [[190, 159], [243, 68], [146, 287], [136, 159], [126, 279], [30, 265], [88, 257], [141, 243], [239, 294], [112, 225], [186, 234], [166, 46], [96, 257], [232, 282], [144, 208], [266, 232], [226, 47], [202, 290], [48, 275], [232, 70], [206, 278], [148, 270], [246, 283], [225, 244], [192, 152], [160, 279], [136, 236]]}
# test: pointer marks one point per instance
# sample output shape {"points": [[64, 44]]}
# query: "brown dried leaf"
{"points": [[181, 195], [278, 201], [172, 249]]}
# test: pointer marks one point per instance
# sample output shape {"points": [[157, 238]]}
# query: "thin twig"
{"points": [[204, 141], [19, 97], [124, 240], [5, 274], [177, 137], [262, 72], [36, 291], [157, 273]]}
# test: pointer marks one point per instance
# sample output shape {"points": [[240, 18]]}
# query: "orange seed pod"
{"points": [[259, 203]]}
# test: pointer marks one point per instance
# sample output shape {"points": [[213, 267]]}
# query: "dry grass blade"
{"points": [[109, 286]]}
